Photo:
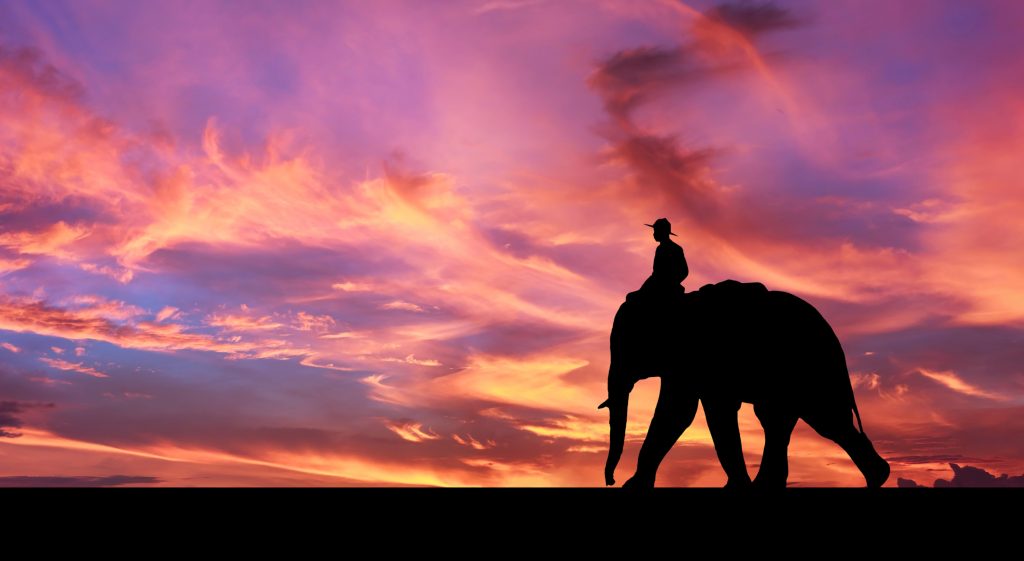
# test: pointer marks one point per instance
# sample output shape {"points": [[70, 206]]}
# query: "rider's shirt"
{"points": [[669, 264]]}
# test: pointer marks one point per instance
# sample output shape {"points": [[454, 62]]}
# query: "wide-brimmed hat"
{"points": [[662, 223]]}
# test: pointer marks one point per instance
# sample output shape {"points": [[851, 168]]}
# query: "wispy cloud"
{"points": [[954, 382], [74, 366], [413, 432]]}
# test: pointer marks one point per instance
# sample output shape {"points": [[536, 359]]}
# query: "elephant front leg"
{"points": [[677, 406], [725, 431]]}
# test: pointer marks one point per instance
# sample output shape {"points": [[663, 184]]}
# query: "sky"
{"points": [[382, 243]]}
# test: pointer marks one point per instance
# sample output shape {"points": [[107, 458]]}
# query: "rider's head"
{"points": [[662, 229]]}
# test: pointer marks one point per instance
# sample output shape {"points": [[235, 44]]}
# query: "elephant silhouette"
{"points": [[727, 344]]}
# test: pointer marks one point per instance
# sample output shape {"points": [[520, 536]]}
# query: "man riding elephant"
{"points": [[669, 266], [727, 344]]}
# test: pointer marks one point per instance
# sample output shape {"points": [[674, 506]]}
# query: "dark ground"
{"points": [[516, 524], [923, 512]]}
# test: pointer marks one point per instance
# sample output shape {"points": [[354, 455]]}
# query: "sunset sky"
{"points": [[382, 243]]}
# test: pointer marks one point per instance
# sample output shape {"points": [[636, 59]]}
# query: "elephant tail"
{"points": [[853, 400], [857, 413]]}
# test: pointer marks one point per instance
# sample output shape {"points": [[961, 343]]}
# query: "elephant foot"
{"points": [[738, 483], [761, 482], [878, 473], [874, 467], [638, 482]]}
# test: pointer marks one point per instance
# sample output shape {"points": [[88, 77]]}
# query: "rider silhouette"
{"points": [[669, 264]]}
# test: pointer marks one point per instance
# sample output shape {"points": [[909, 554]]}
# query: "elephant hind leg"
{"points": [[778, 424], [838, 426]]}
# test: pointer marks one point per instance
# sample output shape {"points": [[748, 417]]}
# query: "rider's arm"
{"points": [[686, 269]]}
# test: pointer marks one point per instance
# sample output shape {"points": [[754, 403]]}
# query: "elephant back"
{"points": [[767, 324], [732, 290], [665, 325], [726, 299], [725, 311]]}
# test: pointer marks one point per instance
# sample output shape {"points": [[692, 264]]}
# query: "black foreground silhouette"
{"points": [[731, 343]]}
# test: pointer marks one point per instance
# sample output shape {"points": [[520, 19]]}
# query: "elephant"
{"points": [[727, 344]]}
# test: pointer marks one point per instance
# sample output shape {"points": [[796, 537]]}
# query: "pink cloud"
{"points": [[73, 366]]}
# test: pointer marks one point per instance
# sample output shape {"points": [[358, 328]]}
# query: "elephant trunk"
{"points": [[620, 384], [618, 405]]}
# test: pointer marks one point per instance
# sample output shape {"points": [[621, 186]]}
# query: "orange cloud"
{"points": [[400, 305], [413, 432], [74, 366], [411, 359], [954, 382], [349, 286], [9, 265], [51, 241], [473, 443], [167, 312], [242, 323], [93, 322]]}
